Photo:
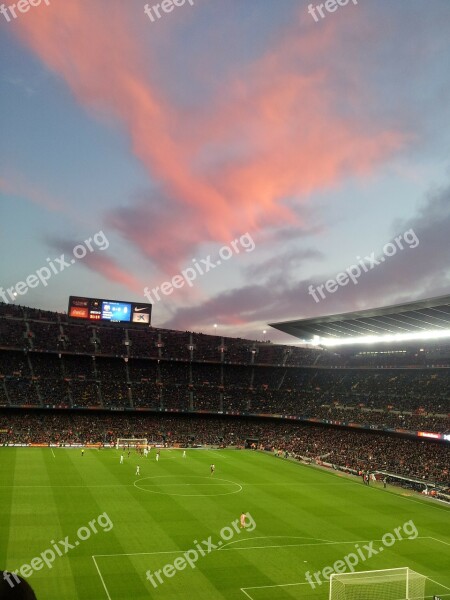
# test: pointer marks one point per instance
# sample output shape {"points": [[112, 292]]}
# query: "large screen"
{"points": [[116, 311], [109, 311]]}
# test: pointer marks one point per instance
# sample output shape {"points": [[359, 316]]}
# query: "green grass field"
{"points": [[306, 519]]}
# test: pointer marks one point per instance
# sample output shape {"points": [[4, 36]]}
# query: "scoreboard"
{"points": [[109, 311]]}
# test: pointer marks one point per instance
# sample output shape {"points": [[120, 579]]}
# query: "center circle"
{"points": [[209, 486]]}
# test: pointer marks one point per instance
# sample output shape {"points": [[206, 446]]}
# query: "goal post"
{"points": [[385, 584], [131, 443]]}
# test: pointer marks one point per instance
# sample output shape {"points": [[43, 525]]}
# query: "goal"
{"points": [[131, 442], [386, 584]]}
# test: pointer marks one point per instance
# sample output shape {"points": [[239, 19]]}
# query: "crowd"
{"points": [[351, 449], [412, 399], [33, 329], [47, 361]]}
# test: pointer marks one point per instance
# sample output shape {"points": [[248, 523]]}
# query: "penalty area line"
{"points": [[224, 549], [261, 587], [101, 578]]}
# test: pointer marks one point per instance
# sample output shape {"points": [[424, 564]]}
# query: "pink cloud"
{"points": [[100, 263], [15, 185], [111, 271], [272, 132]]}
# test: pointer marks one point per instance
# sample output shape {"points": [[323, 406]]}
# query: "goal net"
{"points": [[131, 443], [386, 584]]}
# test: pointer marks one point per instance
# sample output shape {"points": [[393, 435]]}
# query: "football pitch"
{"points": [[89, 528]]}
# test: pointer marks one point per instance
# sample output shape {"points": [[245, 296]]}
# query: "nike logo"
{"points": [[138, 309]]}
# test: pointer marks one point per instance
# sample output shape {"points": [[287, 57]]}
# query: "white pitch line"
{"points": [[306, 583], [260, 587], [142, 553], [301, 545], [251, 548], [116, 485], [437, 583], [219, 455], [110, 485], [285, 537], [101, 577], [178, 484], [438, 540], [263, 587], [422, 502], [107, 485], [319, 542], [393, 495], [304, 483], [243, 590]]}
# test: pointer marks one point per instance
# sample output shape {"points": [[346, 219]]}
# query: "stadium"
{"points": [[224, 300], [298, 433]]}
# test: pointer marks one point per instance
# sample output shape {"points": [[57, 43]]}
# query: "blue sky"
{"points": [[322, 141]]}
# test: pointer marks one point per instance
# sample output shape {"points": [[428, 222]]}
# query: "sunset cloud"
{"points": [[272, 132], [99, 263], [411, 274]]}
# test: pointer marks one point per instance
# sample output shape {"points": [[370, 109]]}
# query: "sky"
{"points": [[233, 162]]}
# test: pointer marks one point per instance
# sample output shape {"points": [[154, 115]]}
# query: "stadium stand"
{"points": [[46, 362]]}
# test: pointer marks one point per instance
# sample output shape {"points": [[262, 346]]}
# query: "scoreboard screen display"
{"points": [[109, 311], [116, 311]]}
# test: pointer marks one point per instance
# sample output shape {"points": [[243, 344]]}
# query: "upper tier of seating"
{"points": [[32, 329]]}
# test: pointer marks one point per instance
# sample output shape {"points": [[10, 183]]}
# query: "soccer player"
{"points": [[212, 468], [82, 451], [157, 455], [138, 470], [242, 520], [145, 452], [121, 459], [184, 453]]}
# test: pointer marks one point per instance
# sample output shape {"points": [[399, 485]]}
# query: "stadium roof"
{"points": [[432, 315]]}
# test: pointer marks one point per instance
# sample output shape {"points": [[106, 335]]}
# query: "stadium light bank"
{"points": [[373, 339]]}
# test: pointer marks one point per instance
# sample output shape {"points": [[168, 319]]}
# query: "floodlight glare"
{"points": [[374, 339]]}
